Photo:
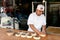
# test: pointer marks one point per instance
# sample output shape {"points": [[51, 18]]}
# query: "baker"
{"points": [[37, 20]]}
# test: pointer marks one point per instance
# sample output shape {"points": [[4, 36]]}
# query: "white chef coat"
{"points": [[37, 21]]}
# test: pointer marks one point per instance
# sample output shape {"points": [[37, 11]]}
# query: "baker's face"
{"points": [[39, 12]]}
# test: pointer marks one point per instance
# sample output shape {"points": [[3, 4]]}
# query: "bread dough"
{"points": [[23, 35], [29, 36], [36, 37], [42, 35], [9, 32], [17, 34], [33, 34]]}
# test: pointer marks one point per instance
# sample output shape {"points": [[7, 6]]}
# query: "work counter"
{"points": [[4, 36]]}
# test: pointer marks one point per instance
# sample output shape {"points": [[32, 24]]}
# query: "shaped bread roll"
{"points": [[10, 32], [36, 37], [17, 34], [29, 36], [33, 34]]}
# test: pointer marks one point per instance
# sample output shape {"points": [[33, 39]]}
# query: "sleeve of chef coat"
{"points": [[30, 19], [44, 21]]}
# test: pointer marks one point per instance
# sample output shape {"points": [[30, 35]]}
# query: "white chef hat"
{"points": [[40, 7]]}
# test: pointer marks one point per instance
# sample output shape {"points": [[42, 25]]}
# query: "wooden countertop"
{"points": [[4, 36]]}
